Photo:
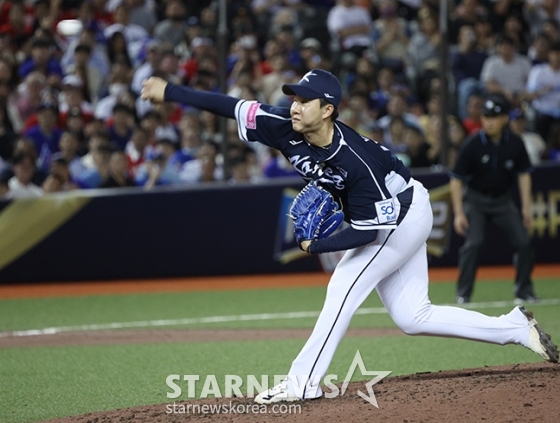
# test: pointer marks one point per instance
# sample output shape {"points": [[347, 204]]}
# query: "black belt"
{"points": [[490, 194]]}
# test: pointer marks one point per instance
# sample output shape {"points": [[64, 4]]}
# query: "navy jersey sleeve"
{"points": [[262, 122], [217, 103]]}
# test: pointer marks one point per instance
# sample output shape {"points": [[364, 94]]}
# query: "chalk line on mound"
{"points": [[239, 318]]}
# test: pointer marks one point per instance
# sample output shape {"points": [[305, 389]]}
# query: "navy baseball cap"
{"points": [[316, 83], [495, 105]]}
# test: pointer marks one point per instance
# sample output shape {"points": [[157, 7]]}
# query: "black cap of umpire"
{"points": [[495, 105]]}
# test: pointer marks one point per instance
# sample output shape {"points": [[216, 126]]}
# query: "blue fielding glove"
{"points": [[315, 212]]}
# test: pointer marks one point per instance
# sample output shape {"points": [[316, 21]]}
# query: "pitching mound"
{"points": [[520, 393]]}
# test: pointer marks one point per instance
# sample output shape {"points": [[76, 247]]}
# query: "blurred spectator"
{"points": [[90, 77], [73, 98], [538, 12], [206, 167], [149, 67], [135, 35], [100, 13], [423, 55], [362, 80], [551, 27], [357, 114], [534, 143], [191, 142], [506, 73], [311, 52], [68, 146], [170, 68], [141, 14], [391, 37], [514, 27], [98, 57], [209, 127], [17, 27], [243, 81], [42, 60], [60, 170], [431, 125], [157, 169], [472, 121], [167, 127], [203, 57], [395, 133], [117, 51], [416, 152], [467, 12], [75, 123], [485, 35], [53, 183], [136, 150], [350, 25], [95, 140], [543, 90], [93, 178], [122, 126], [208, 21], [29, 95], [466, 66], [118, 83], [172, 29], [538, 51], [119, 175], [277, 166], [501, 9], [240, 171], [271, 83], [246, 58], [20, 185], [45, 134], [397, 107], [456, 133], [381, 95]]}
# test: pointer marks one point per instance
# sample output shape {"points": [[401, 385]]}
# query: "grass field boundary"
{"points": [[238, 318]]}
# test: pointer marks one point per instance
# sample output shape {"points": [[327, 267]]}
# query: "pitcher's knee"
{"points": [[409, 324]]}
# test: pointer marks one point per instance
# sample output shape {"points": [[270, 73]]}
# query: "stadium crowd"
{"points": [[71, 116]]}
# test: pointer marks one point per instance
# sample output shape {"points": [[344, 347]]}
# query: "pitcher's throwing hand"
{"points": [[153, 89]]}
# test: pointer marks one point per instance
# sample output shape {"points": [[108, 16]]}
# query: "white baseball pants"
{"points": [[396, 265]]}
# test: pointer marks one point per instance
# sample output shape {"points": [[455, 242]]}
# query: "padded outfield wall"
{"points": [[212, 230]]}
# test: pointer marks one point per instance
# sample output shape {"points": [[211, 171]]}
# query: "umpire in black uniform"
{"points": [[481, 183]]}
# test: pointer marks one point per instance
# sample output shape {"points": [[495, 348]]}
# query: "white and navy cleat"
{"points": [[539, 341], [279, 393]]}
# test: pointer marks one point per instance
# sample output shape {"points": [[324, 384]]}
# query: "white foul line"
{"points": [[237, 318]]}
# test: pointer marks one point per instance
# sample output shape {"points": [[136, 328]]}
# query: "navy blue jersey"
{"points": [[363, 174]]}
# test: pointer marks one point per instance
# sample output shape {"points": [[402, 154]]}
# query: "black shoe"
{"points": [[527, 299], [462, 300]]}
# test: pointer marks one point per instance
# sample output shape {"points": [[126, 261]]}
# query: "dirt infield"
{"points": [[520, 393], [114, 337], [68, 289]]}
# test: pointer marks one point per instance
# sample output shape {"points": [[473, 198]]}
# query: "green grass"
{"points": [[48, 382]]}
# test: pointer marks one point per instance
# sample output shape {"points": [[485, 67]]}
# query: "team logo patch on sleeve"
{"points": [[252, 116]]}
